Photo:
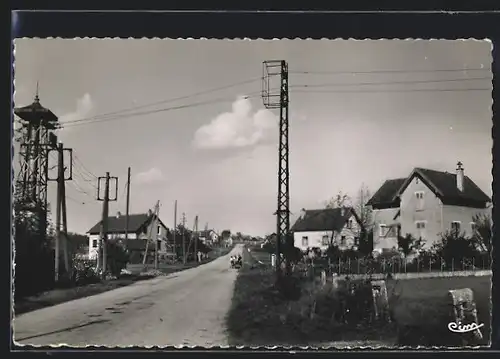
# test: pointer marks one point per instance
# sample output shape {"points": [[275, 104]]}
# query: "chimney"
{"points": [[342, 211], [302, 213], [460, 176], [118, 214], [150, 212]]}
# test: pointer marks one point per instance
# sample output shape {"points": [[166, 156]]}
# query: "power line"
{"points": [[385, 71], [75, 158], [148, 112], [168, 100], [393, 82], [395, 90]]}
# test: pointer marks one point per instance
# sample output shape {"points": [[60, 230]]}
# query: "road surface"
{"points": [[184, 308]]}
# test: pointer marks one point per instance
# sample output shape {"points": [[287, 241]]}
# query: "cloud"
{"points": [[238, 128], [151, 176], [84, 106]]}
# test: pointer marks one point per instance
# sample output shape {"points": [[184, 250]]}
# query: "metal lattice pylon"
{"points": [[36, 139], [275, 95]]}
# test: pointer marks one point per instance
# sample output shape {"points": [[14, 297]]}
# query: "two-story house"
{"points": [[318, 228], [140, 227], [208, 236], [426, 204]]}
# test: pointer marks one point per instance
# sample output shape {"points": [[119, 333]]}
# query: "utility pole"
{"points": [[196, 237], [157, 215], [102, 254], [175, 227], [275, 97], [61, 207], [60, 183], [128, 206], [150, 231], [183, 238]]}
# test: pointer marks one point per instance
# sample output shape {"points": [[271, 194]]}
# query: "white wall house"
{"points": [[140, 226], [318, 228], [426, 204]]}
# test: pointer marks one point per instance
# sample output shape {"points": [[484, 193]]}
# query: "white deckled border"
{"points": [[287, 348]]}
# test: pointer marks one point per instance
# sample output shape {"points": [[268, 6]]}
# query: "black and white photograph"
{"points": [[252, 193]]}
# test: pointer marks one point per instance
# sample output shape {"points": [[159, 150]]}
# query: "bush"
{"points": [[454, 248], [85, 272], [117, 257]]}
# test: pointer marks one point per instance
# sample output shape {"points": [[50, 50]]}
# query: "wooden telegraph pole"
{"points": [[183, 238], [127, 210], [61, 209], [175, 227], [102, 254]]}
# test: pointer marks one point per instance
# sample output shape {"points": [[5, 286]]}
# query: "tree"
{"points": [[365, 246], [483, 231], [454, 248], [409, 244], [338, 201], [363, 211]]}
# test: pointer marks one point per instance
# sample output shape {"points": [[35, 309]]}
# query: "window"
{"points": [[420, 229], [383, 230], [158, 230], [349, 224], [305, 241], [473, 227], [325, 240], [420, 225], [343, 241], [455, 227], [420, 200], [356, 241], [94, 243], [158, 243]]}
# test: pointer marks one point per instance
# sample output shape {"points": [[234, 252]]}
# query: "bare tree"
{"points": [[362, 210], [340, 200]]}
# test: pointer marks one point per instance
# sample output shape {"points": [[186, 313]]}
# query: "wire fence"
{"points": [[401, 265]]}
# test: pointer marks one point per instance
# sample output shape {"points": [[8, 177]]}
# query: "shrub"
{"points": [[117, 257], [454, 249], [409, 244], [85, 272]]}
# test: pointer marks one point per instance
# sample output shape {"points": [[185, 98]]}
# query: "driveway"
{"points": [[184, 308]]}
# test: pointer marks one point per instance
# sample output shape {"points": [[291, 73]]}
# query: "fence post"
{"points": [[441, 264], [452, 265], [358, 266], [349, 264], [340, 266], [405, 263], [418, 264], [473, 264], [430, 264], [383, 265]]}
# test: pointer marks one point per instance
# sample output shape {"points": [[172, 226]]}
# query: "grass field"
{"points": [[260, 316]]}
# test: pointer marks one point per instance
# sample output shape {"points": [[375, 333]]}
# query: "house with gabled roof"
{"points": [[426, 204], [140, 227], [318, 228]]}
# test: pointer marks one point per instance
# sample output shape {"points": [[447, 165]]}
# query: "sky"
{"points": [[361, 112]]}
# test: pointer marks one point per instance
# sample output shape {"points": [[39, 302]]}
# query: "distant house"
{"points": [[426, 204], [139, 229], [208, 236], [318, 228]]}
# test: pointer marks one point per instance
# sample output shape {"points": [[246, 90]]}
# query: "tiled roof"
{"points": [[385, 194], [322, 220], [446, 185], [118, 224], [443, 184]]}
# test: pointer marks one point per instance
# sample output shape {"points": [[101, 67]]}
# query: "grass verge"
{"points": [[260, 315], [61, 295]]}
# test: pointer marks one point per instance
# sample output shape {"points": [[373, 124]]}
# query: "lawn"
{"points": [[261, 316]]}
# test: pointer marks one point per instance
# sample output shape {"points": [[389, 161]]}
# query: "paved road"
{"points": [[184, 308]]}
